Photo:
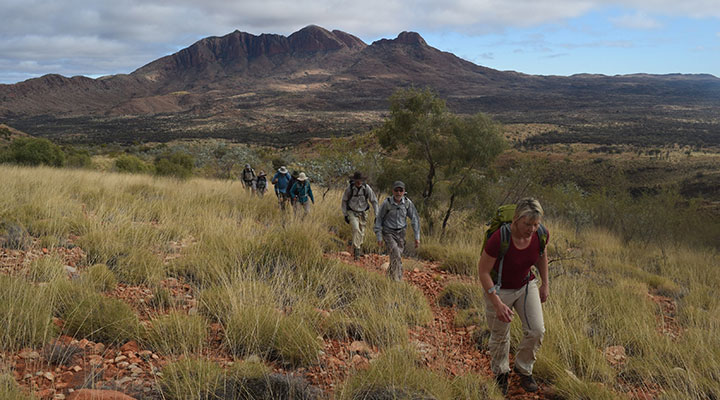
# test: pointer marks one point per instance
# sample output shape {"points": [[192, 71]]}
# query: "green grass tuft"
{"points": [[98, 277], [24, 314], [462, 295], [46, 269], [176, 333]]}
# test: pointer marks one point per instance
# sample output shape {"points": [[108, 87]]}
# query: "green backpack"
{"points": [[501, 221]]}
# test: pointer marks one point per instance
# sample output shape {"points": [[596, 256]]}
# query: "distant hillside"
{"points": [[314, 83]]}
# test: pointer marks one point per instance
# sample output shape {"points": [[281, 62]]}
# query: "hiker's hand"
{"points": [[504, 313], [347, 219], [417, 243], [544, 292], [380, 243]]}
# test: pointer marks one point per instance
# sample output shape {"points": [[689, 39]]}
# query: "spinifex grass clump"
{"points": [[10, 390], [191, 379], [98, 277], [176, 333], [462, 295], [398, 374], [88, 314], [24, 314], [46, 269]]}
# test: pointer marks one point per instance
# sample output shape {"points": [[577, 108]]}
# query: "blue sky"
{"points": [[547, 37]]}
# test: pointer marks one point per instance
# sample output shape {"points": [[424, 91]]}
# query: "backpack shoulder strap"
{"points": [[504, 246], [543, 236]]}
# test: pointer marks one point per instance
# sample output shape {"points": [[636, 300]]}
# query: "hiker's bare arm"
{"points": [[485, 265], [542, 266]]}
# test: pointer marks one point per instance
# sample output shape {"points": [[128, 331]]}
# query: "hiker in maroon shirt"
{"points": [[518, 289]]}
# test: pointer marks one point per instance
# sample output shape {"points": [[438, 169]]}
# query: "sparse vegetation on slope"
{"points": [[627, 313]]}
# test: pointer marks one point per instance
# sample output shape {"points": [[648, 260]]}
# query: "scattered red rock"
{"points": [[92, 394]]}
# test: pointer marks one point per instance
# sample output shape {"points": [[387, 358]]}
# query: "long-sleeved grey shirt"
{"points": [[356, 199], [393, 216]]}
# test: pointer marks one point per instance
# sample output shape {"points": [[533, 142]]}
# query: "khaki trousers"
{"points": [[533, 329], [395, 243], [357, 222], [302, 209]]}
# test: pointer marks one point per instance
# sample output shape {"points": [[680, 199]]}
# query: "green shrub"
{"points": [[461, 295], [98, 277], [196, 379], [35, 151], [24, 314], [77, 158], [176, 333], [131, 164], [46, 269], [177, 164], [10, 390], [95, 317]]}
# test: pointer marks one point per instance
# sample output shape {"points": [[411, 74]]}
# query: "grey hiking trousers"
{"points": [[395, 243], [533, 329]]}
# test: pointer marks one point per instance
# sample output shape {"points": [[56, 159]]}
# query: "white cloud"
{"points": [[126, 34], [638, 20]]}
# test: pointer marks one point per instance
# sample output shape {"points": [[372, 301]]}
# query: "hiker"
{"points": [[300, 192], [523, 242], [261, 184], [248, 178], [354, 205], [281, 181], [293, 179], [390, 225]]}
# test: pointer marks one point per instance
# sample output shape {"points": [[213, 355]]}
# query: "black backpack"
{"points": [[261, 182]]}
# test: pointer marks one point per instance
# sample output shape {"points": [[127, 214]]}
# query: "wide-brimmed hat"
{"points": [[358, 176], [399, 184], [262, 173], [247, 165], [302, 177], [282, 170]]}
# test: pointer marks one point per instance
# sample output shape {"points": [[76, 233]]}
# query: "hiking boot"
{"points": [[527, 382], [501, 381], [357, 253]]}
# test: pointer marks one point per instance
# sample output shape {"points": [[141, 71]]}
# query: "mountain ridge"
{"points": [[317, 82]]}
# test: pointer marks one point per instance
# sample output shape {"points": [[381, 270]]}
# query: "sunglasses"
{"points": [[398, 190]]}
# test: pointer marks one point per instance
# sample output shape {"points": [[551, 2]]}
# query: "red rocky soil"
{"points": [[132, 370]]}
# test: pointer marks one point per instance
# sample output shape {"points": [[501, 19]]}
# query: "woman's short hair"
{"points": [[528, 207]]}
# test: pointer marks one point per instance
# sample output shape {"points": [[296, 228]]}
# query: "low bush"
{"points": [[432, 252], [98, 277], [77, 158], [176, 333], [35, 151], [131, 164], [178, 164]]}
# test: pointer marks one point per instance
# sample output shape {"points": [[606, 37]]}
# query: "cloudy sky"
{"points": [[549, 37]]}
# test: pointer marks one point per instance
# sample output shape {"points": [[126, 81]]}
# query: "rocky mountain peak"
{"points": [[313, 38], [410, 38]]}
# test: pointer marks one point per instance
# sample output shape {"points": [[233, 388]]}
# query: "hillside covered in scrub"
{"points": [[161, 288]]}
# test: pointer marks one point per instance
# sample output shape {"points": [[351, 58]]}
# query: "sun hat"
{"points": [[262, 173], [358, 176], [282, 170], [399, 184], [302, 177]]}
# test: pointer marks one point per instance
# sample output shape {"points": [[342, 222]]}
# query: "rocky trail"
{"points": [[71, 369]]}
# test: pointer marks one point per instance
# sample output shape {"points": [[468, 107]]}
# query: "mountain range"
{"points": [[276, 89]]}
